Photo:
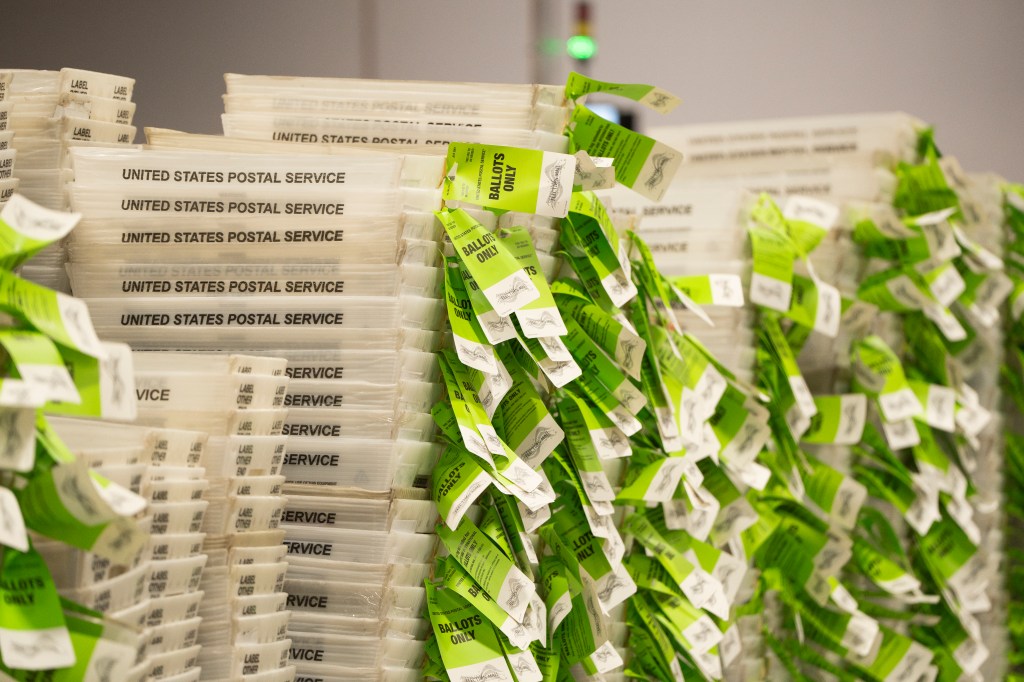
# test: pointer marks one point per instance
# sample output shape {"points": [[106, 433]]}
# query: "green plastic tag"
{"points": [[105, 385], [506, 584], [655, 482], [816, 305], [528, 427], [470, 416], [585, 634], [457, 482], [558, 599], [897, 658], [509, 178], [38, 363], [33, 634], [840, 419], [470, 343], [494, 269], [590, 234], [496, 328], [584, 432], [68, 503], [839, 496], [952, 558], [649, 96], [455, 578], [27, 228], [771, 283], [641, 163], [614, 338], [468, 643], [541, 317], [63, 318]]}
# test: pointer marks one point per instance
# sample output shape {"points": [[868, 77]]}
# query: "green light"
{"points": [[581, 47]]}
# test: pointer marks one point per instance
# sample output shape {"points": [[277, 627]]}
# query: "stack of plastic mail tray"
{"points": [[50, 112], [239, 400], [160, 595], [404, 115], [8, 182], [327, 261]]}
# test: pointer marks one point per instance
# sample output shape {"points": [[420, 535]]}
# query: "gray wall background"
{"points": [[954, 63]]}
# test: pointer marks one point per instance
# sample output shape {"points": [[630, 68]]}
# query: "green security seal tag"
{"points": [[641, 163], [33, 634], [63, 318], [509, 178], [495, 270], [715, 289], [501, 579], [457, 483], [468, 338], [469, 645], [650, 96], [541, 317], [27, 228], [38, 363], [840, 419], [106, 385], [771, 282]]}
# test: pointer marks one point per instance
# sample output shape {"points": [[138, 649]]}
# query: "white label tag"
{"points": [[972, 419], [940, 410], [901, 434], [913, 664], [560, 373], [593, 172], [467, 498], [665, 481], [596, 485], [53, 381], [970, 655], [43, 649], [847, 503], [619, 287], [808, 210], [899, 405], [75, 317], [543, 439], [533, 518], [843, 599], [731, 646], [827, 312], [946, 321], [948, 286], [769, 292], [726, 290], [511, 293], [853, 410], [555, 186], [802, 394], [12, 525], [735, 518], [476, 355], [555, 349], [496, 328], [703, 635], [17, 438], [700, 518], [796, 421], [730, 572], [538, 322], [860, 634]]}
